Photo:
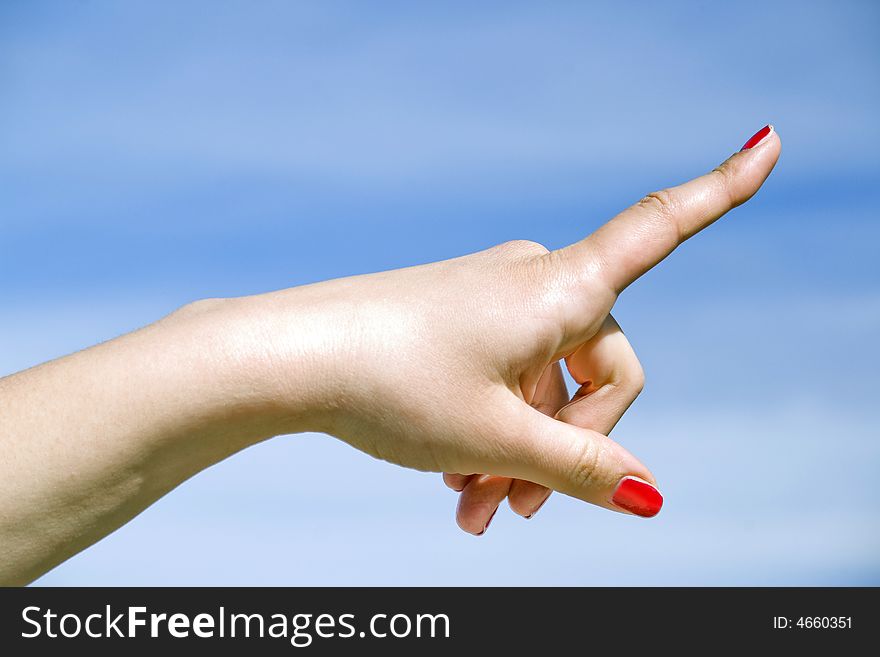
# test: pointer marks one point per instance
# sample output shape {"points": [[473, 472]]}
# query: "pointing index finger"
{"points": [[641, 236]]}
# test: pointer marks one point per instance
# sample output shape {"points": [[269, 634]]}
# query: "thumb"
{"points": [[584, 464], [641, 236]]}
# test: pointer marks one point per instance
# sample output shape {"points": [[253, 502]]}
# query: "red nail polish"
{"points": [[638, 497], [756, 138]]}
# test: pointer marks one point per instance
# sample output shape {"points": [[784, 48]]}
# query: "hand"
{"points": [[451, 367], [454, 366], [610, 378]]}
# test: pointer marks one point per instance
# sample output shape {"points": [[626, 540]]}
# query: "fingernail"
{"points": [[537, 508], [757, 138], [638, 497], [488, 522]]}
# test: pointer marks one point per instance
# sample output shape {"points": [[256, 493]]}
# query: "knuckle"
{"points": [[630, 382], [663, 207], [662, 201], [586, 466], [637, 379], [725, 178]]}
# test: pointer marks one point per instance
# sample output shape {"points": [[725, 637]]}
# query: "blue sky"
{"points": [[154, 153]]}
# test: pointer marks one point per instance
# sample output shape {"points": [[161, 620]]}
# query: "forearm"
{"points": [[90, 440]]}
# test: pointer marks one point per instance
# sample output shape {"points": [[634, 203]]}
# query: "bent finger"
{"points": [[610, 378], [479, 501]]}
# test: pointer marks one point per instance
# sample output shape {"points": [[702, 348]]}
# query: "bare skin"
{"points": [[449, 367]]}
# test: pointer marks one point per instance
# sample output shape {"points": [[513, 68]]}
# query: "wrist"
{"points": [[265, 372]]}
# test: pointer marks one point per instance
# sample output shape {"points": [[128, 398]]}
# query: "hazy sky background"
{"points": [[152, 153]]}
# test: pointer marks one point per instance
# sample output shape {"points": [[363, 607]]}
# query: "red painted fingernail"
{"points": [[638, 497], [756, 138]]}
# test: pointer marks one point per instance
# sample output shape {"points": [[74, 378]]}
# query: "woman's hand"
{"points": [[451, 367], [454, 366]]}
